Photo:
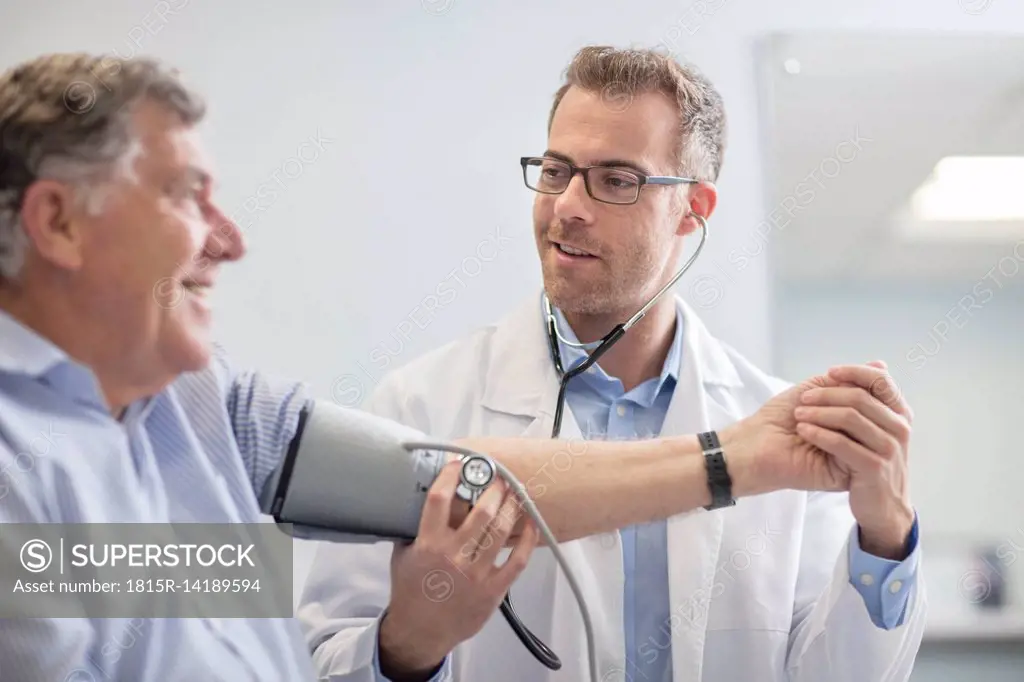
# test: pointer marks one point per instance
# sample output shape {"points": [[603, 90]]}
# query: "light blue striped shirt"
{"points": [[196, 452], [604, 410]]}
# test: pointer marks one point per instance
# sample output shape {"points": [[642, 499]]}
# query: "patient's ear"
{"points": [[49, 215]]}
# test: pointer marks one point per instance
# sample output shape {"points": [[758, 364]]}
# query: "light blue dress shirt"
{"points": [[194, 453], [604, 411]]}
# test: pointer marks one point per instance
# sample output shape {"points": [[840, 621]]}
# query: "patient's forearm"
{"points": [[585, 488]]}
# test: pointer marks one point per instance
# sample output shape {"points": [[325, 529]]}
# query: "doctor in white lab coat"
{"points": [[758, 591]]}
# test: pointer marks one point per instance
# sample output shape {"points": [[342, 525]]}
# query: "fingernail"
{"points": [[800, 412], [809, 395]]}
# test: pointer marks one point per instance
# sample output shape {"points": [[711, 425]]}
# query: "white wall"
{"points": [[411, 95], [960, 368]]}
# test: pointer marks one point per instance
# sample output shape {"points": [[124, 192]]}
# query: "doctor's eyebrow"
{"points": [[609, 163]]}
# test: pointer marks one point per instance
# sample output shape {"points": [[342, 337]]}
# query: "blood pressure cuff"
{"points": [[348, 477]]}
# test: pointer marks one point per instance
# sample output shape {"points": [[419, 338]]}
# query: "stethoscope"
{"points": [[476, 476]]}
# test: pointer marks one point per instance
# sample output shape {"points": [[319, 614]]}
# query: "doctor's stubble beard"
{"points": [[624, 281]]}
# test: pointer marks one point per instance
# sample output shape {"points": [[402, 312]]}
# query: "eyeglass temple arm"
{"points": [[669, 180]]}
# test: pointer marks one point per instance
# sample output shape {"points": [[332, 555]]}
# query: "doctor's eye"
{"points": [[555, 171], [617, 186], [547, 175], [619, 180]]}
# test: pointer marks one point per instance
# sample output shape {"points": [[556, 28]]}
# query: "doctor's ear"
{"points": [[702, 199]]}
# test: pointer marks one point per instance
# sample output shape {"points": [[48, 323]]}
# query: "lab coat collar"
{"points": [[521, 377]]}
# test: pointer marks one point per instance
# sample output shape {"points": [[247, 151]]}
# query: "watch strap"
{"points": [[719, 481]]}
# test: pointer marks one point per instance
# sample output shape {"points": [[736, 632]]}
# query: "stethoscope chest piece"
{"points": [[477, 474]]}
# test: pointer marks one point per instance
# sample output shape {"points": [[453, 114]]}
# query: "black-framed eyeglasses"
{"points": [[608, 184]]}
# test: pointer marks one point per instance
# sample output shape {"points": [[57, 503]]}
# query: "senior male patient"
{"points": [[109, 242], [786, 585]]}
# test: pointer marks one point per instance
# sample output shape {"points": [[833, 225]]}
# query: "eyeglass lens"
{"points": [[606, 184]]}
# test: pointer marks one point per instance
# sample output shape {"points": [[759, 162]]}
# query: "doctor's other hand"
{"points": [[862, 422], [445, 584]]}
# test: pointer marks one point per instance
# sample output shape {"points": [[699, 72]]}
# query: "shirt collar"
{"points": [[573, 357], [24, 351]]}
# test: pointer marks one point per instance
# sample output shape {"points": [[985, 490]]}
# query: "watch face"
{"points": [[477, 472]]}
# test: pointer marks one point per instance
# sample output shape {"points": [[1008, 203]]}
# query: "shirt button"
{"points": [[895, 586], [867, 579], [621, 410]]}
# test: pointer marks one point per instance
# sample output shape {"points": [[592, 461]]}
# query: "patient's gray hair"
{"points": [[66, 117]]}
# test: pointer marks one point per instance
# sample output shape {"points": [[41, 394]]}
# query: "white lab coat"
{"points": [[759, 591]]}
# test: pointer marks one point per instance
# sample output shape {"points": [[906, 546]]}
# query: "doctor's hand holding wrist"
{"points": [[445, 585], [863, 423], [847, 430]]}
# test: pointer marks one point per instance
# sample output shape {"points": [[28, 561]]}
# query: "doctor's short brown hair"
{"points": [[620, 75]]}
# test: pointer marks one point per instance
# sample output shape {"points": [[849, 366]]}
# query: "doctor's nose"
{"points": [[574, 204]]}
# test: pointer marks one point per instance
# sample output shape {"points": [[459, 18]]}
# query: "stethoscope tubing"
{"points": [[541, 651]]}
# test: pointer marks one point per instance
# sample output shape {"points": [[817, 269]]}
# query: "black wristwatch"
{"points": [[719, 481]]}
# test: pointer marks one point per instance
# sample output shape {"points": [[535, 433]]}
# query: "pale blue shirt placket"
{"points": [[604, 410]]}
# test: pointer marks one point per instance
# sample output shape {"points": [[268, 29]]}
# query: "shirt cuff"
{"points": [[443, 674], [884, 585]]}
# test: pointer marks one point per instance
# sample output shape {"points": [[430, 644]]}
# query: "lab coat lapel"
{"points": [[518, 370], [523, 387], [694, 539]]}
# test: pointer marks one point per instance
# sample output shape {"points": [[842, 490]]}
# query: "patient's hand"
{"points": [[775, 456]]}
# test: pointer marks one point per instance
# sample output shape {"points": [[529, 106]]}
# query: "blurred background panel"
{"points": [[894, 170]]}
